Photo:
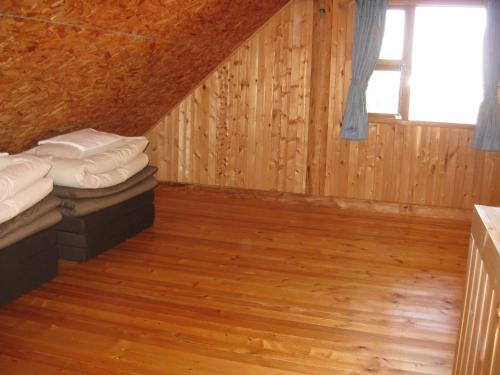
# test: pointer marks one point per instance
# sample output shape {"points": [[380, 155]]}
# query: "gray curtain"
{"points": [[487, 134], [368, 34]]}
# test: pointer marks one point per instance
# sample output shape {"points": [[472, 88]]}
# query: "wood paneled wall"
{"points": [[246, 124], [270, 116]]}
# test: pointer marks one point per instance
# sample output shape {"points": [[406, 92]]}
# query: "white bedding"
{"points": [[84, 142], [94, 172], [99, 170], [25, 199], [128, 147], [17, 172]]}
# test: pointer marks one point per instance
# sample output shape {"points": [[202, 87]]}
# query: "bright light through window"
{"points": [[392, 47], [446, 82], [382, 95], [383, 92], [438, 77]]}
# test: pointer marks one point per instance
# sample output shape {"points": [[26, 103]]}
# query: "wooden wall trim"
{"points": [[270, 117], [319, 115], [389, 208], [386, 120]]}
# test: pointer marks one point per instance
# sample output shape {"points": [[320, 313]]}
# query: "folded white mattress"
{"points": [[100, 170], [17, 172], [81, 143], [25, 199], [95, 172]]}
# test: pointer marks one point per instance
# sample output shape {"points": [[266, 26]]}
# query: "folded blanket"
{"points": [[84, 142], [25, 199], [81, 174], [7, 160], [47, 204], [100, 170], [81, 207], [17, 172], [45, 221], [75, 193], [101, 218]]}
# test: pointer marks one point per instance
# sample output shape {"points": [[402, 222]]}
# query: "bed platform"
{"points": [[27, 264], [82, 238]]}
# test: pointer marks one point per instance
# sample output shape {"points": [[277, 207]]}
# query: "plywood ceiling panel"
{"points": [[115, 66]]}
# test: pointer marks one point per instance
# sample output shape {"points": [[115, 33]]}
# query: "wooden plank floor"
{"points": [[229, 284]]}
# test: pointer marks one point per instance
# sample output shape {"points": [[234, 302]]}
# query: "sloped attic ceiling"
{"points": [[113, 65]]}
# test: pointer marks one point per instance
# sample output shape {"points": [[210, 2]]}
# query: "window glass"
{"points": [[382, 95], [446, 81], [392, 44]]}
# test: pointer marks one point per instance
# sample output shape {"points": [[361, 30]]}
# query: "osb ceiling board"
{"points": [[115, 66]]}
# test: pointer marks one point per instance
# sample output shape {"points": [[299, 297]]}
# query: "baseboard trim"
{"points": [[445, 213]]}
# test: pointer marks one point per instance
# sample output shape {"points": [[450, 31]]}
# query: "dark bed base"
{"points": [[27, 264], [82, 238]]}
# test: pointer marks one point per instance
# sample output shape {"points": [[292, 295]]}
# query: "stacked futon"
{"points": [[28, 214], [106, 189]]}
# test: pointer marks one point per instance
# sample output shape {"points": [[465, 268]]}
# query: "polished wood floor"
{"points": [[232, 284]]}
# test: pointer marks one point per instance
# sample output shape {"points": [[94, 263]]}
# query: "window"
{"points": [[430, 65]]}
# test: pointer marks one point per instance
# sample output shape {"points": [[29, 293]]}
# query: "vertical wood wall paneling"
{"points": [[270, 116], [246, 125]]}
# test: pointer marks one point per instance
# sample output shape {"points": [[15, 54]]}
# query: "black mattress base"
{"points": [[81, 246], [27, 264]]}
